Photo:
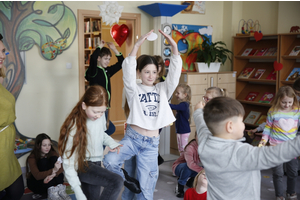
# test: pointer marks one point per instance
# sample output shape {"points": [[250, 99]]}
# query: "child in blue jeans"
{"points": [[80, 144], [149, 111], [188, 165]]}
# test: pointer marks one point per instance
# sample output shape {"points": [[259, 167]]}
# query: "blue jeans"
{"points": [[292, 174], [184, 173], [130, 167], [146, 151], [96, 176]]}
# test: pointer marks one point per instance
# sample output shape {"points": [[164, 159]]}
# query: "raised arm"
{"points": [[171, 42], [113, 47], [139, 43]]}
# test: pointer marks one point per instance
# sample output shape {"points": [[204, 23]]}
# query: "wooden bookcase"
{"points": [[284, 43], [287, 42], [261, 85], [199, 82]]}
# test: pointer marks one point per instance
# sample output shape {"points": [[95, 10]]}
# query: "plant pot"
{"points": [[203, 67]]}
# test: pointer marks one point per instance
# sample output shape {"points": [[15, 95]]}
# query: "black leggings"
{"points": [[15, 191], [38, 186]]}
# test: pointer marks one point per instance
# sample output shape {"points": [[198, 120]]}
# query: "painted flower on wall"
{"points": [[110, 12]]}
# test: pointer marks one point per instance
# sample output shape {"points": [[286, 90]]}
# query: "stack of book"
{"points": [[272, 51]]}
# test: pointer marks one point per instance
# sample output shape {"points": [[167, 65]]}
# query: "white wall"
{"points": [[288, 15], [52, 90]]}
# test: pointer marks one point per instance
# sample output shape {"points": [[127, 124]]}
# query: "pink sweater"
{"points": [[191, 157]]}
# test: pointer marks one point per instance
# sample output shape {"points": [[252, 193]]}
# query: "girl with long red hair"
{"points": [[81, 141]]}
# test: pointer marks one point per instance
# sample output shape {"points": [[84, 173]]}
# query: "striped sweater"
{"points": [[281, 126]]}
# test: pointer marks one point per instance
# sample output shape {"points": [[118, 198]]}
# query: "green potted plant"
{"points": [[210, 53]]}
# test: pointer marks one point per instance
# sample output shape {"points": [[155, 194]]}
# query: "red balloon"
{"points": [[119, 33]]}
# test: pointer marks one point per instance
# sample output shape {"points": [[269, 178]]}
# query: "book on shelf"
{"points": [[96, 41], [87, 59], [259, 73], [261, 52], [253, 52], [96, 25], [246, 52], [267, 97], [295, 73], [251, 96], [252, 117], [87, 26], [272, 75], [262, 119], [275, 52], [88, 43], [271, 51], [246, 73], [295, 51]]}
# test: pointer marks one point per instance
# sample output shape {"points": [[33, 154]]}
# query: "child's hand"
{"points": [[115, 149], [101, 44], [142, 39], [112, 47], [252, 131], [57, 166], [171, 42], [200, 104], [139, 43], [262, 143], [49, 178]]}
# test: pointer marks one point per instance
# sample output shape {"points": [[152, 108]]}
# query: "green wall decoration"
{"points": [[51, 25]]}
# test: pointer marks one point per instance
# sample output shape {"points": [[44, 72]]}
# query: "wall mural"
{"points": [[50, 25], [188, 37]]}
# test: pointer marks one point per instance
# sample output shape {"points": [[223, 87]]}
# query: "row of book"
{"points": [[255, 118], [93, 26], [248, 71], [91, 43], [266, 98], [272, 51], [87, 59], [260, 52]]}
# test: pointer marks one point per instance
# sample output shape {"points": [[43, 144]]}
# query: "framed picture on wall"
{"points": [[194, 7]]}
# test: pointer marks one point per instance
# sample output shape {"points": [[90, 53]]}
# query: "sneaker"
{"points": [[62, 192], [291, 196], [131, 183], [280, 198], [53, 193], [36, 196]]}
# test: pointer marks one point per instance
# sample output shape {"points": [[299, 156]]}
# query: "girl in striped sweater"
{"points": [[282, 125]]}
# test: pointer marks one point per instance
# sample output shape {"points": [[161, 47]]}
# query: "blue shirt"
{"points": [[182, 124]]}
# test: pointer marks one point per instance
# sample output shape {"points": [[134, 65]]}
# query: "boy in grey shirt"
{"points": [[232, 167]]}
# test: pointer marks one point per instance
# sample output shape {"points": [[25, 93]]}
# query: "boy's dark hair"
{"points": [[219, 109], [104, 51], [146, 60]]}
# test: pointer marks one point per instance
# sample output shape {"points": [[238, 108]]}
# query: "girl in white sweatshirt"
{"points": [[149, 111]]}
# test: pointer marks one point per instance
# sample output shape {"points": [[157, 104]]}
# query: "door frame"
{"points": [[81, 14]]}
